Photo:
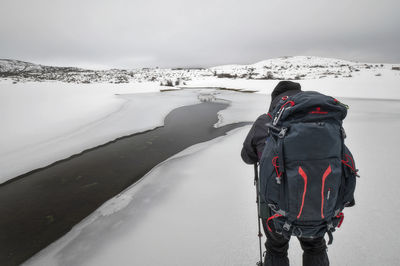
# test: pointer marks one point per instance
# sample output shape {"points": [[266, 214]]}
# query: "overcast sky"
{"points": [[173, 33]]}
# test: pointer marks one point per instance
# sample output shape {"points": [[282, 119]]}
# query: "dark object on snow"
{"points": [[271, 260], [277, 249], [284, 87], [259, 263], [307, 174], [320, 259], [254, 143]]}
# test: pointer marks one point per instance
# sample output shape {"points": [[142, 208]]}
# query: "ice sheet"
{"points": [[45, 122], [199, 207]]}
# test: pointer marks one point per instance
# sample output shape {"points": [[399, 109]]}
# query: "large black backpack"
{"points": [[307, 174]]}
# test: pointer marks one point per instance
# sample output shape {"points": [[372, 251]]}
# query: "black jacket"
{"points": [[254, 143]]}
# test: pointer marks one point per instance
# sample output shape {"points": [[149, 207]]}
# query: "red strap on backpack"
{"points": [[349, 162], [272, 217], [341, 216], [275, 164], [288, 102]]}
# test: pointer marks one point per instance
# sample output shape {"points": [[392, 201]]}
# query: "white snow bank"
{"points": [[45, 122], [199, 208], [243, 107], [181, 213], [362, 85]]}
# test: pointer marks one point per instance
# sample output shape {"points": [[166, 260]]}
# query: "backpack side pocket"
{"points": [[268, 191], [350, 174]]}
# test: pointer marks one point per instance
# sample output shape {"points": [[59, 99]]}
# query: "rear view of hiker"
{"points": [[307, 174]]}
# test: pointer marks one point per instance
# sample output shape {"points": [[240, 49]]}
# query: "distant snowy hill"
{"points": [[16, 66], [299, 67], [292, 68], [25, 71]]}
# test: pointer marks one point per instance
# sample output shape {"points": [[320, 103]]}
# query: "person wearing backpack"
{"points": [[307, 174]]}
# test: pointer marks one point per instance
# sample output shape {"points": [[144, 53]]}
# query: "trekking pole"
{"points": [[258, 211]]}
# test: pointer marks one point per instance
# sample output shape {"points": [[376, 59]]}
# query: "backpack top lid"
{"points": [[311, 105]]}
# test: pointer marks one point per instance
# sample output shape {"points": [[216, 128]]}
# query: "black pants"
{"points": [[314, 250]]}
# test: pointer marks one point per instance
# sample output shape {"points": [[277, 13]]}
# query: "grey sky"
{"points": [[172, 33]]}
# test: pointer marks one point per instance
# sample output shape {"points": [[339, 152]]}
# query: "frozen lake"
{"points": [[197, 209], [39, 207]]}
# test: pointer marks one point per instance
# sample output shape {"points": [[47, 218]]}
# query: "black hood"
{"points": [[284, 88]]}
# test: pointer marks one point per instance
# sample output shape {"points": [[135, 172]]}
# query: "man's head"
{"points": [[284, 88]]}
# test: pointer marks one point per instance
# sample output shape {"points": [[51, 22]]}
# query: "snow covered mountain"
{"points": [[25, 71], [300, 67], [291, 68]]}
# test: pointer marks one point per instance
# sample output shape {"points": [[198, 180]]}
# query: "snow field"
{"points": [[362, 85], [45, 122], [181, 213], [199, 208]]}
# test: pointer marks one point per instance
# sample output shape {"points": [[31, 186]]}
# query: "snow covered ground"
{"points": [[48, 121], [43, 122], [361, 85], [198, 208]]}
